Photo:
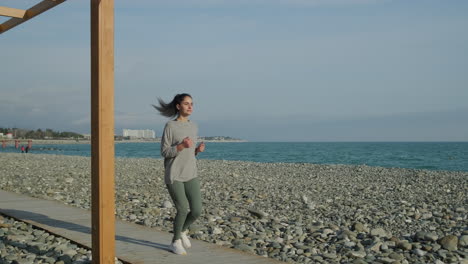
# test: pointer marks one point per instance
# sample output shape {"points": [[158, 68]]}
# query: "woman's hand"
{"points": [[200, 148], [186, 143]]}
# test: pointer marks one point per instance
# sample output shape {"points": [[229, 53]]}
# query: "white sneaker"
{"points": [[185, 240], [177, 248]]}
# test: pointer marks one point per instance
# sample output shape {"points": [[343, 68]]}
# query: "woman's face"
{"points": [[185, 107]]}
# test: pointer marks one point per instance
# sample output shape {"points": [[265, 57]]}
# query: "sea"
{"points": [[449, 156]]}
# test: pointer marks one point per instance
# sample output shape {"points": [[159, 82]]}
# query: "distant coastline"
{"points": [[87, 141]]}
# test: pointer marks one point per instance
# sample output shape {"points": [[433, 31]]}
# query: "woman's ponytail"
{"points": [[170, 109]]}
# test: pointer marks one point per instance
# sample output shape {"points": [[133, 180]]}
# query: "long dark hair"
{"points": [[170, 109]]}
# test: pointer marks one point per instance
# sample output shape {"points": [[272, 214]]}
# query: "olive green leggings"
{"points": [[185, 195]]}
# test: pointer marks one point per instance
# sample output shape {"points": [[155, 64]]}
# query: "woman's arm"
{"points": [[168, 149]]}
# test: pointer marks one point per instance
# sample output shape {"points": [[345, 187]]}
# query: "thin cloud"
{"points": [[128, 119], [245, 3], [82, 121]]}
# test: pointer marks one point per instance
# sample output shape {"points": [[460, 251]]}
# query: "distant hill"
{"points": [[20, 133], [221, 139]]}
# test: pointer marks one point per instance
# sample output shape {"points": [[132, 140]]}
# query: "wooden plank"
{"points": [[102, 131], [30, 13], [12, 12], [134, 243]]}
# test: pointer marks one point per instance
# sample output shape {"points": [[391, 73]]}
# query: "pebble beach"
{"points": [[22, 243], [298, 213]]}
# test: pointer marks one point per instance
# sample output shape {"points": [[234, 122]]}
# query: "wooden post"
{"points": [[102, 131]]}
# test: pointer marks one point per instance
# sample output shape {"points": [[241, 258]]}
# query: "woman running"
{"points": [[178, 149]]}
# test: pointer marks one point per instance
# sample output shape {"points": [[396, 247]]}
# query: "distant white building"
{"points": [[144, 133]]}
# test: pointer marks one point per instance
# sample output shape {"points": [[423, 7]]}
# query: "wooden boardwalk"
{"points": [[134, 243]]}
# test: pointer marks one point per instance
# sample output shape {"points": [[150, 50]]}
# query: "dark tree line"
{"points": [[39, 133], [219, 138]]}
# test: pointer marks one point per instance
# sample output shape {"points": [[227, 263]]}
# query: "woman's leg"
{"points": [[177, 193], [192, 191]]}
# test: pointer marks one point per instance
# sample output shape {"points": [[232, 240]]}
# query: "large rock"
{"points": [[463, 241], [426, 236], [379, 232], [359, 227], [449, 242], [356, 254], [396, 256], [257, 213], [405, 245], [244, 247], [419, 252], [167, 205], [217, 231], [375, 247]]}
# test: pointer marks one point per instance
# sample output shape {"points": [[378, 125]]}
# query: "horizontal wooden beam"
{"points": [[30, 13], [12, 12]]}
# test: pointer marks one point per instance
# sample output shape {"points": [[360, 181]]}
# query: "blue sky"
{"points": [[261, 70]]}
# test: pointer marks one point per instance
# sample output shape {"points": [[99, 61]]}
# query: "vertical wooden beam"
{"points": [[102, 131]]}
